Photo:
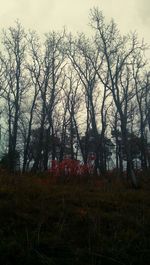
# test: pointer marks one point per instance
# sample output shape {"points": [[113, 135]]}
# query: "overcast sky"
{"points": [[46, 15]]}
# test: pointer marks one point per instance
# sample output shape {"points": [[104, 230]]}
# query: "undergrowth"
{"points": [[80, 222]]}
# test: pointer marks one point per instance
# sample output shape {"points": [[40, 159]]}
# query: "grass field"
{"points": [[74, 223]]}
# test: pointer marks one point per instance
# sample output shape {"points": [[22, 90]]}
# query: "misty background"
{"points": [[47, 15]]}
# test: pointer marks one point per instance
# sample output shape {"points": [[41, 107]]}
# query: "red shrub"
{"points": [[69, 167]]}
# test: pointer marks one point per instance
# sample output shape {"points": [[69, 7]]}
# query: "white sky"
{"points": [[47, 15]]}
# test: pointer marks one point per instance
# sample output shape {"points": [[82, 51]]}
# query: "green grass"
{"points": [[42, 222]]}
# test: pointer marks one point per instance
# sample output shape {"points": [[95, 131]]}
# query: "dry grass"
{"points": [[43, 221]]}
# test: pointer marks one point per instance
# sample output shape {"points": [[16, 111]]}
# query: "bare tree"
{"points": [[47, 77], [117, 52], [13, 58], [33, 69], [140, 82], [78, 55]]}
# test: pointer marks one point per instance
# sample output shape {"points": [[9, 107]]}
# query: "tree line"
{"points": [[73, 94]]}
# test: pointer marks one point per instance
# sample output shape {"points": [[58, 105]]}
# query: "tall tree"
{"points": [[13, 58], [117, 52]]}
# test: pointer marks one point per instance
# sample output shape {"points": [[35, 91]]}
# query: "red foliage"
{"points": [[69, 167]]}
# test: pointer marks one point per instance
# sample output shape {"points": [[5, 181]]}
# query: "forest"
{"points": [[77, 97], [74, 146]]}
